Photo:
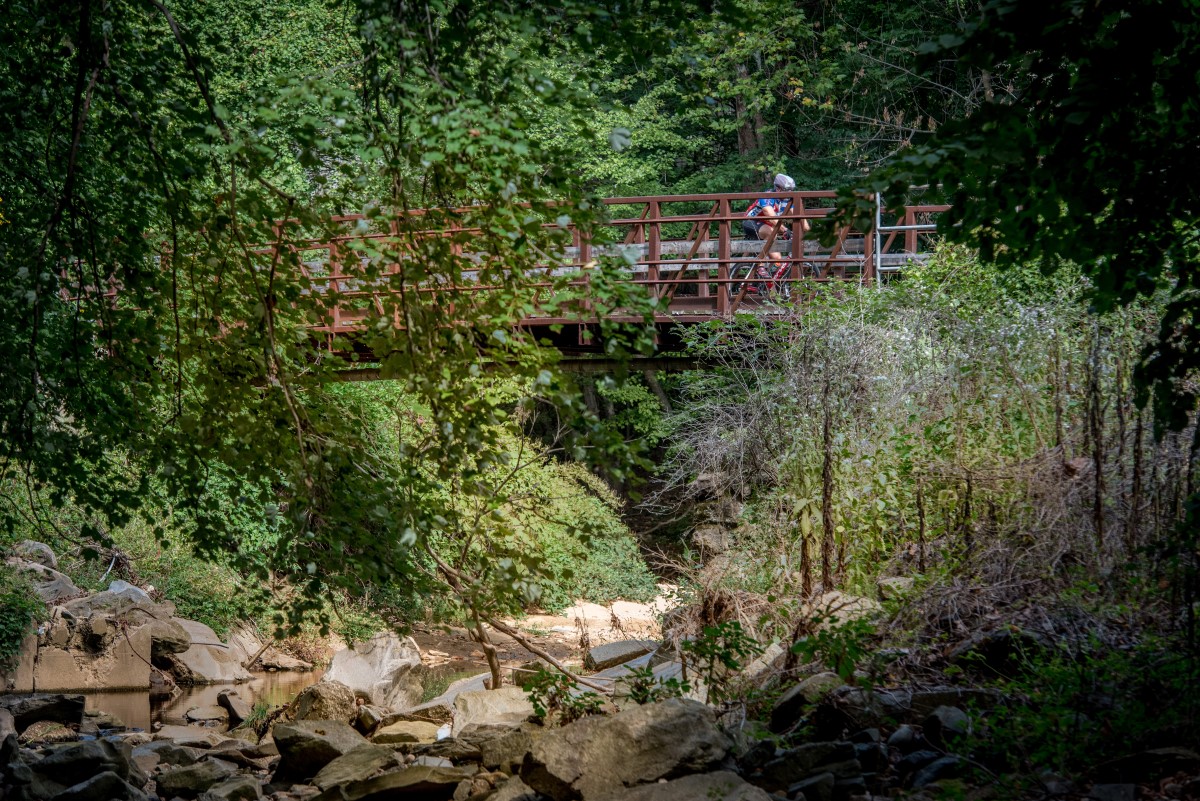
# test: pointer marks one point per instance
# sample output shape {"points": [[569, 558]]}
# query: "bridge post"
{"points": [[723, 253], [654, 250]]}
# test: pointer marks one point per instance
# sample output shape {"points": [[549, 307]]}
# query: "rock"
{"points": [[106, 786], [273, 659], [915, 762], [236, 788], [306, 746], [168, 637], [947, 767], [72, 764], [420, 783], [814, 788], [189, 736], [166, 752], [505, 751], [905, 739], [601, 755], [357, 764], [8, 724], [404, 731], [126, 590], [207, 660], [51, 586], [37, 552], [368, 717], [766, 664], [1149, 766], [508, 706], [946, 724], [433, 762], [923, 702], [720, 786], [792, 704], [454, 749], [234, 704], [616, 653], [47, 731], [514, 790], [894, 587], [801, 762], [381, 669], [122, 664], [325, 700], [206, 714], [838, 608], [1113, 792], [1000, 652], [27, 709], [191, 781]]}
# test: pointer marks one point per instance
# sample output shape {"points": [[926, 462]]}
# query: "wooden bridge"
{"points": [[688, 251]]}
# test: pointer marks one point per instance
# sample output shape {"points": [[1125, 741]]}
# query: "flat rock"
{"points": [[206, 714], [792, 705], [599, 756], [306, 746], [355, 765], [404, 731], [507, 706], [514, 790], [72, 764], [719, 786], [381, 669], [420, 783], [617, 653], [803, 761], [189, 736]]}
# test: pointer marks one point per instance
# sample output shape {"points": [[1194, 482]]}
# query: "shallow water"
{"points": [[137, 710]]}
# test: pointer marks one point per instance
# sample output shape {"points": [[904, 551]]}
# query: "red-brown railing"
{"points": [[688, 250]]}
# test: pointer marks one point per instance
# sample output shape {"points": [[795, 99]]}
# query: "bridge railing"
{"points": [[688, 250]]}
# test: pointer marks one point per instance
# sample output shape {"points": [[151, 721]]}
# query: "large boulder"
{"points": [[507, 706], [406, 731], [306, 746], [325, 700], [129, 607], [380, 669], [235, 788], [207, 660], [600, 756], [68, 765], [28, 709]]}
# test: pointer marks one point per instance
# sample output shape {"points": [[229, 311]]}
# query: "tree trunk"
{"points": [[827, 568]]}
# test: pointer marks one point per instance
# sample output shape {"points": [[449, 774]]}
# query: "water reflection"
{"points": [[136, 710]]}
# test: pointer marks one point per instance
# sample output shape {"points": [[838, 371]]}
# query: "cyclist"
{"points": [[756, 226]]}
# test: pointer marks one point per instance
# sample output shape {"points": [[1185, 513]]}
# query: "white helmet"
{"points": [[784, 182]]}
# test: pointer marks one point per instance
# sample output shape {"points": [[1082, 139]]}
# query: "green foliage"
{"points": [[841, 646], [20, 610], [718, 653], [556, 698], [643, 687], [1081, 155], [1068, 703]]}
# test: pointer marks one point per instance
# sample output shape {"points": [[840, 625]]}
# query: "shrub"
{"points": [[20, 609]]}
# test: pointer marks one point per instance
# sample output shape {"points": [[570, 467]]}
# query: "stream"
{"points": [[137, 710]]}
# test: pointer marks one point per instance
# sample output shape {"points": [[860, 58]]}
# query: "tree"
{"points": [[154, 341], [1087, 151]]}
